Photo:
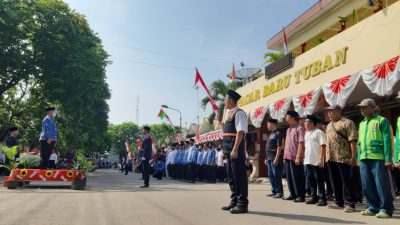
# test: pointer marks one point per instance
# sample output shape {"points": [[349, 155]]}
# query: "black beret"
{"points": [[293, 114], [272, 121], [50, 109], [13, 129], [234, 95], [313, 118], [147, 128]]}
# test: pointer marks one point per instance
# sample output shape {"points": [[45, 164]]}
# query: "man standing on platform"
{"points": [[375, 153], [274, 161], [147, 150], [235, 129], [48, 136], [293, 156]]}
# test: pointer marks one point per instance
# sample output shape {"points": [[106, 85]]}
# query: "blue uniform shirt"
{"points": [[211, 157], [200, 158], [205, 155], [49, 129], [186, 156]]}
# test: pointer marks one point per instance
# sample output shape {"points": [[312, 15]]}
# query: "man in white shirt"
{"points": [[314, 158], [235, 129], [220, 165]]}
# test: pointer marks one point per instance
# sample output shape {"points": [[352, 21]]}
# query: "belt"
{"points": [[229, 134]]}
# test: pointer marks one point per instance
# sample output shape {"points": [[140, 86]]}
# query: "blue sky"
{"points": [[208, 34]]}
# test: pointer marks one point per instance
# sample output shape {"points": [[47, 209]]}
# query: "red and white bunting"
{"points": [[305, 104], [209, 137], [257, 115], [381, 78], [279, 109], [338, 91]]}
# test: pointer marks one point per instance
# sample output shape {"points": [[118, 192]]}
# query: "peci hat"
{"points": [[13, 129], [313, 119], [293, 114], [234, 95], [146, 128], [272, 121], [367, 102], [48, 109]]}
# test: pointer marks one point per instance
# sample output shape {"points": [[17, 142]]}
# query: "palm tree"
{"points": [[218, 90], [271, 57]]}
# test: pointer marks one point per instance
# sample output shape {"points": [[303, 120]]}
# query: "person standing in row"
{"points": [[274, 160], [341, 156], [375, 153], [220, 165], [293, 156], [314, 159], [234, 134], [147, 150], [193, 152], [48, 136]]}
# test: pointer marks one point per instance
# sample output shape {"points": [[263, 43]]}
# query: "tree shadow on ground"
{"points": [[319, 219]]}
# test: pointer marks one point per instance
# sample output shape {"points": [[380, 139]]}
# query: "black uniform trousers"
{"points": [[192, 172], [340, 175], [295, 178], [237, 178], [315, 177], [146, 171], [45, 152]]}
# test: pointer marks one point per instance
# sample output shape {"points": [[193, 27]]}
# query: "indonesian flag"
{"points": [[338, 91], [127, 145], [233, 74], [162, 115], [305, 104], [285, 43], [257, 116], [381, 78], [279, 109], [139, 143]]}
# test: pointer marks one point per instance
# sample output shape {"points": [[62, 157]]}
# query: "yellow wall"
{"points": [[370, 42]]}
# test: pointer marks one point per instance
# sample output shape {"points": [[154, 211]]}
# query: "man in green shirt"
{"points": [[375, 154]]}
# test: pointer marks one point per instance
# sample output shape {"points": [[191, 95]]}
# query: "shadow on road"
{"points": [[320, 219]]}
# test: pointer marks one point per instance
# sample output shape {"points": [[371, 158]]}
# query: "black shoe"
{"points": [[289, 198], [278, 196], [227, 208], [322, 202], [239, 210], [311, 201], [270, 195], [299, 199], [144, 186]]}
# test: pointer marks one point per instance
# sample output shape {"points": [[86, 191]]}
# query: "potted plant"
{"points": [[11, 165], [84, 166]]}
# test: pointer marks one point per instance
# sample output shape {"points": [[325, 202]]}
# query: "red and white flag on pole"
{"points": [[127, 145], [233, 74], [285, 43]]}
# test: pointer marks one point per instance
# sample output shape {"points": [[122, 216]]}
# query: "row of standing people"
{"points": [[346, 152]]}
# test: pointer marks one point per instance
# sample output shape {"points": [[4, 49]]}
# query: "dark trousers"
{"points": [[329, 186], [212, 171], [376, 186], [295, 178], [146, 171], [205, 172], [275, 176], [52, 164], [200, 172], [127, 168], [315, 177], [340, 175], [356, 181], [45, 152], [192, 172], [221, 173], [237, 178]]}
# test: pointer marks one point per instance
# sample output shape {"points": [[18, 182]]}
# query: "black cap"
{"points": [[13, 129], [187, 142], [146, 128], [320, 120], [234, 95], [191, 139], [293, 114], [313, 119], [50, 109], [272, 121]]}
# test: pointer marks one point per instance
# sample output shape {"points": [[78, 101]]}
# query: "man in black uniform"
{"points": [[147, 150], [235, 129]]}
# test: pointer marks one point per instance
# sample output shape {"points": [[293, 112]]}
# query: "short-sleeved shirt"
{"points": [[337, 147], [11, 141], [313, 140], [274, 140], [220, 158], [294, 136]]}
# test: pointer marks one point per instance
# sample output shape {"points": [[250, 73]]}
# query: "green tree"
{"points": [[162, 134], [218, 90], [121, 132], [271, 57]]}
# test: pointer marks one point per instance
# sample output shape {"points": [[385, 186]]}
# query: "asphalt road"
{"points": [[113, 199]]}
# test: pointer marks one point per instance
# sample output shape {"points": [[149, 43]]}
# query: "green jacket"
{"points": [[397, 143], [374, 139]]}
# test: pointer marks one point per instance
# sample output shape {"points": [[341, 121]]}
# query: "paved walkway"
{"points": [[114, 199]]}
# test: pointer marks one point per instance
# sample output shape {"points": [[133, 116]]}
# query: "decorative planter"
{"points": [[12, 184], [79, 184], [6, 178]]}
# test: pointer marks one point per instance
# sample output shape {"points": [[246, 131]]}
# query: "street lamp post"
{"points": [[180, 116]]}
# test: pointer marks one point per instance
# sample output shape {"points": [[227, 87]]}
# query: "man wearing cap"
{"points": [[12, 139], [235, 129], [375, 153], [274, 160], [293, 155], [341, 156], [314, 159], [147, 150], [48, 136]]}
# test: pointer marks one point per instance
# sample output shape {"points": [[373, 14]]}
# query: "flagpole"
{"points": [[198, 107], [137, 110]]}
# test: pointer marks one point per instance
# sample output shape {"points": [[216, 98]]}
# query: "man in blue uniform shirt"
{"points": [[147, 150], [48, 136]]}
